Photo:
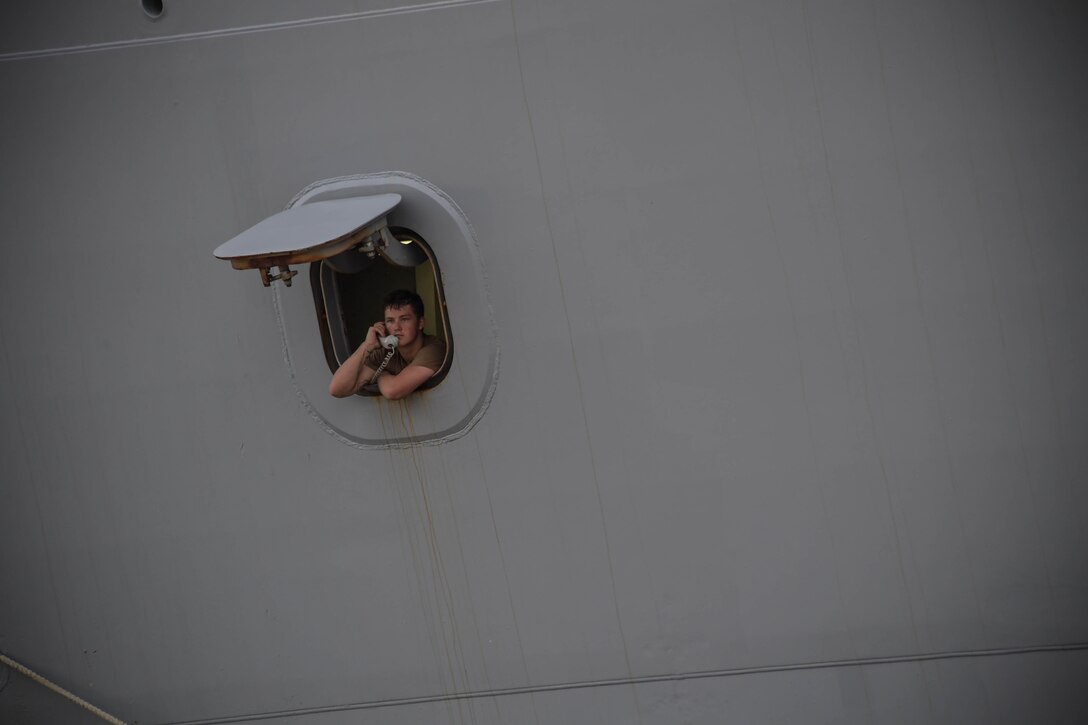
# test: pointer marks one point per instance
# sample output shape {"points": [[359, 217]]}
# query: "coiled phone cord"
{"points": [[388, 357]]}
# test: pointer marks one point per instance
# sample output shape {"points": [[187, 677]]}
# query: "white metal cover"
{"points": [[308, 228]]}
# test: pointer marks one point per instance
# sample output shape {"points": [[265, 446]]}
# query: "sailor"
{"points": [[400, 368]]}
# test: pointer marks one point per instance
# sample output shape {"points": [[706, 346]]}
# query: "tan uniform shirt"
{"points": [[431, 355]]}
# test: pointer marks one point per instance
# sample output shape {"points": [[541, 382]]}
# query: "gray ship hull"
{"points": [[780, 412]]}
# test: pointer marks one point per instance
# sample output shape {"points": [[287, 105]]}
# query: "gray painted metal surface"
{"points": [[307, 226], [793, 327]]}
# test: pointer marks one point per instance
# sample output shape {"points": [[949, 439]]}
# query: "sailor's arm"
{"points": [[425, 363], [395, 387], [354, 372]]}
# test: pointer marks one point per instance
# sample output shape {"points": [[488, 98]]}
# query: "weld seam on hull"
{"points": [[643, 680], [240, 30]]}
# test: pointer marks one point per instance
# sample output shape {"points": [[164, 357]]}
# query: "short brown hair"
{"points": [[400, 297]]}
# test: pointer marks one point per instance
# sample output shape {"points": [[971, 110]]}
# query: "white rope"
{"points": [[24, 670]]}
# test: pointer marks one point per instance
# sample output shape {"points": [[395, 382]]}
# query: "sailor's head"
{"points": [[403, 315]]}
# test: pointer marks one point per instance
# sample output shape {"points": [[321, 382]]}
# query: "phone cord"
{"points": [[388, 357]]}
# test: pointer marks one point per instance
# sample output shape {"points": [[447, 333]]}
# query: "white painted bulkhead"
{"points": [[789, 299]]}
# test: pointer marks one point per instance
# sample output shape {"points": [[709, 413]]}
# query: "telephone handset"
{"points": [[389, 342]]}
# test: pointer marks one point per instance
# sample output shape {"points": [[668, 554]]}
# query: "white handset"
{"points": [[389, 342]]}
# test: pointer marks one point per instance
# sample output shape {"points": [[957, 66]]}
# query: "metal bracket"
{"points": [[370, 246], [285, 275], [379, 240]]}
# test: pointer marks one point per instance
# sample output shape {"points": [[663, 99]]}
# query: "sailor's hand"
{"points": [[376, 331]]}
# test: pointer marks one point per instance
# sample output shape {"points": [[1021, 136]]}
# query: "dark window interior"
{"points": [[348, 291]]}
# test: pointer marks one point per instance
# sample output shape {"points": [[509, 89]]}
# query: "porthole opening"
{"points": [[153, 8], [349, 290]]}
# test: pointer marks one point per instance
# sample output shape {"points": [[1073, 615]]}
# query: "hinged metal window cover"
{"points": [[308, 232]]}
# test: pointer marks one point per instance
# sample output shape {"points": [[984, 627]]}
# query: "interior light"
{"points": [[406, 242]]}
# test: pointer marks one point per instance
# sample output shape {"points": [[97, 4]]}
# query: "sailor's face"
{"points": [[404, 323]]}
